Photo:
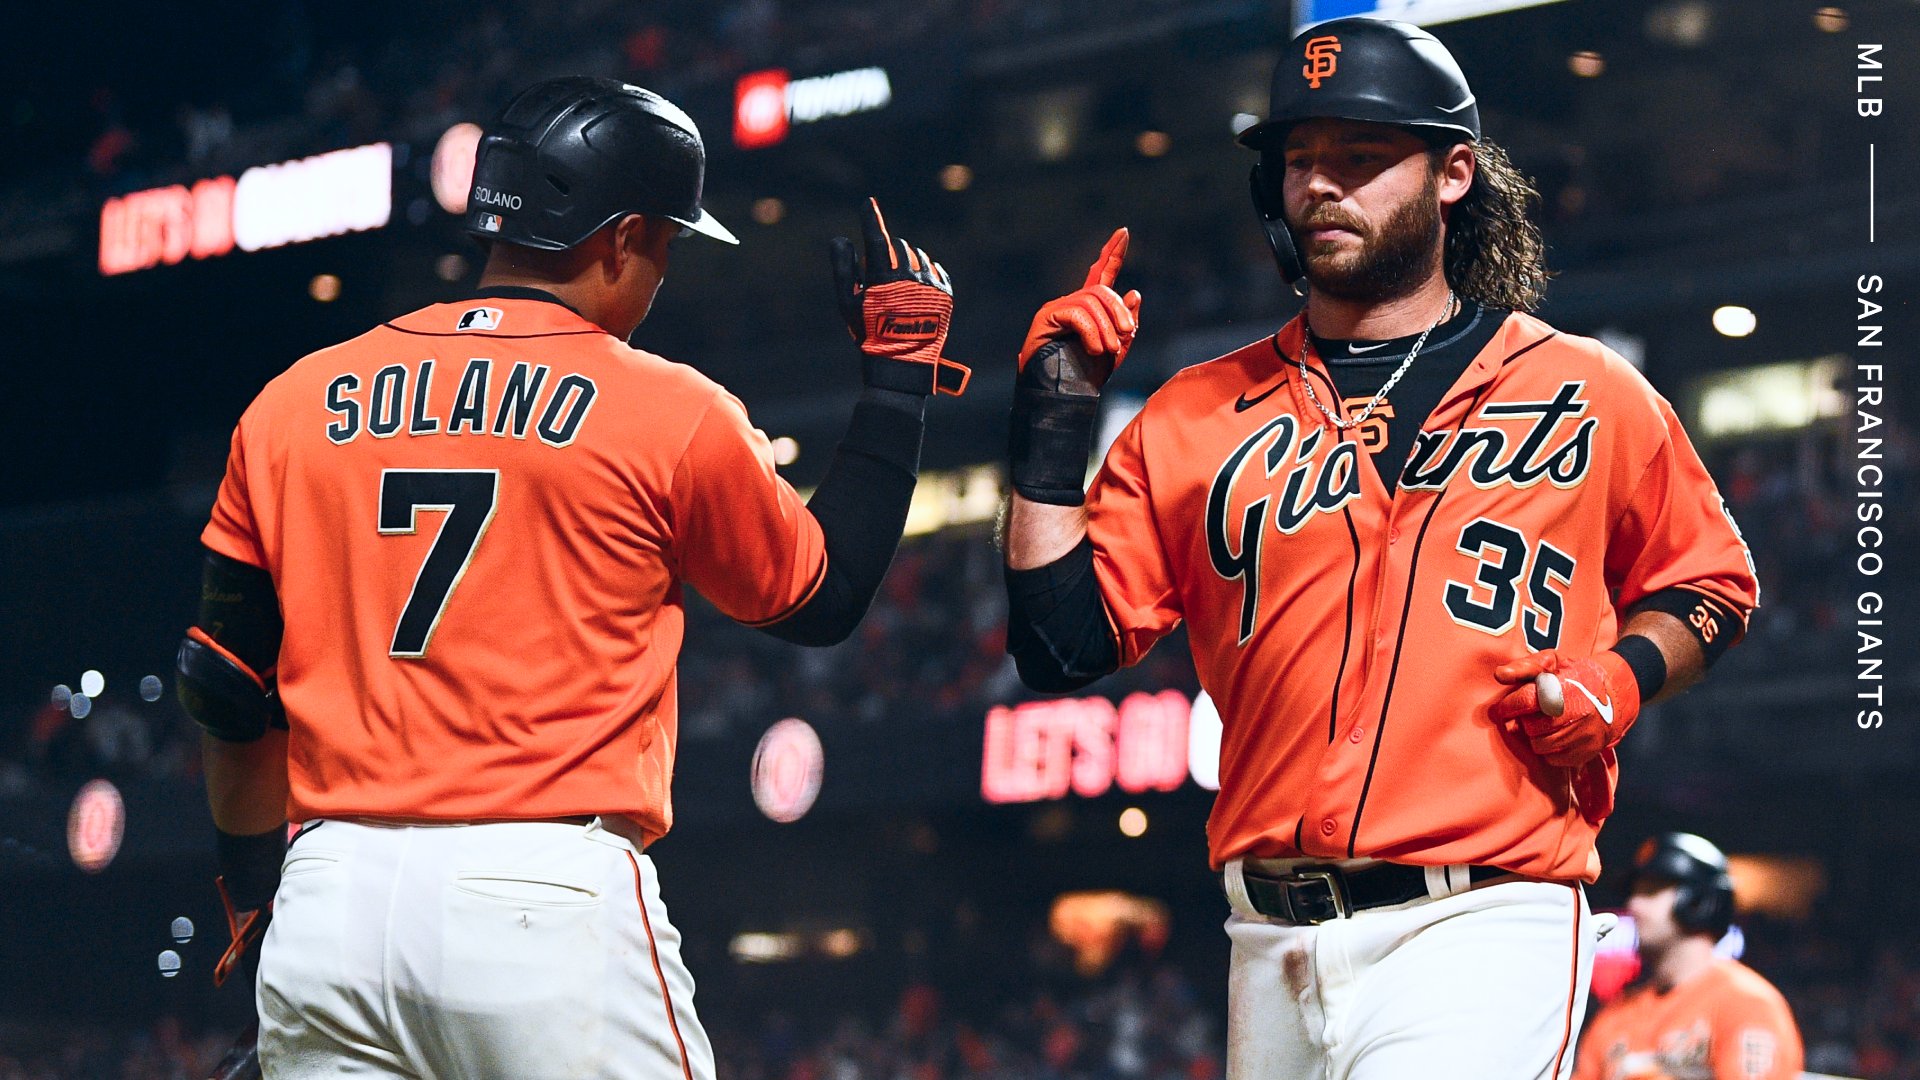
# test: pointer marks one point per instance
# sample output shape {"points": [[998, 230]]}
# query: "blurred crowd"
{"points": [[1794, 499], [413, 74], [1857, 1000], [1145, 1023], [164, 1050], [56, 743], [1857, 1003]]}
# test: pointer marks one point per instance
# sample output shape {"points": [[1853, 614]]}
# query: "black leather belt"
{"points": [[1310, 895]]}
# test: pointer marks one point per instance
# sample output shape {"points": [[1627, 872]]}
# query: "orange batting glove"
{"points": [[898, 307], [1571, 711], [1103, 320], [1072, 349]]}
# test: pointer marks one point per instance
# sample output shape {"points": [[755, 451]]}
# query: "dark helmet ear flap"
{"points": [[1273, 217]]}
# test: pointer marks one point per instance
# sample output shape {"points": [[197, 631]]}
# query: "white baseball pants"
{"points": [[1485, 984], [520, 950]]}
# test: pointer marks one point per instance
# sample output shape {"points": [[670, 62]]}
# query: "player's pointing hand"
{"points": [[1598, 702], [1102, 319], [1072, 349], [898, 307]]}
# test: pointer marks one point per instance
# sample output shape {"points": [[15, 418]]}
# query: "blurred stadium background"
{"points": [[982, 887]]}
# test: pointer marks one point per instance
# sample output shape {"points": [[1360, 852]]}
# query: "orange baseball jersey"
{"points": [[478, 518], [1726, 1023], [1349, 634]]}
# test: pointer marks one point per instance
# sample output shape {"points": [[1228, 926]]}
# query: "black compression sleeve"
{"points": [[240, 610], [862, 508], [1057, 627]]}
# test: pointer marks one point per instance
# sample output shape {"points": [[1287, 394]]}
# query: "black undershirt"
{"points": [[1359, 375]]}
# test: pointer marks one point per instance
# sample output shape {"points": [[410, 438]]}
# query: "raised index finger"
{"points": [[1107, 266], [879, 242]]}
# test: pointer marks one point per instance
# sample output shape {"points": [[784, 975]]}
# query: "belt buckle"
{"points": [[1301, 886]]}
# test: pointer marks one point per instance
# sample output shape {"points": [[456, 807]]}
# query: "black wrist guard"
{"points": [[250, 865], [1055, 412], [1646, 661]]}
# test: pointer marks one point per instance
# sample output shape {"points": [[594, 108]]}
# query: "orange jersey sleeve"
{"points": [[1754, 1036], [1129, 560], [742, 536], [1677, 531], [231, 530]]}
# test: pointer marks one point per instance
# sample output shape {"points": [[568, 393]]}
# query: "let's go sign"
{"points": [[1087, 746]]}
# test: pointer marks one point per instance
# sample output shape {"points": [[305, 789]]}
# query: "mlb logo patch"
{"points": [[490, 222], [480, 318]]}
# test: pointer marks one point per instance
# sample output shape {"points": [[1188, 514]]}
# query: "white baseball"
{"points": [[1553, 699]]}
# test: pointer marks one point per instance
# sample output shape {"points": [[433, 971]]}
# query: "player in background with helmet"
{"points": [[1432, 555], [1691, 1014], [443, 606]]}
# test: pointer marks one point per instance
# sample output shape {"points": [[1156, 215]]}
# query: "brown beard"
{"points": [[1393, 262]]}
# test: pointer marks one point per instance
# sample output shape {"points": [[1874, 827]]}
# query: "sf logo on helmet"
{"points": [[1323, 57]]}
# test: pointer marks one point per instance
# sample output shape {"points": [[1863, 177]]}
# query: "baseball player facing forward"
{"points": [[1432, 554], [443, 604], [1691, 1014]]}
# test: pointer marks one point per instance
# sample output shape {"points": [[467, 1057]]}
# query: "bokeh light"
{"points": [[324, 287], [1734, 320]]}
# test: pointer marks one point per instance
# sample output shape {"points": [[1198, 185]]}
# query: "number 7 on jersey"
{"points": [[468, 496]]}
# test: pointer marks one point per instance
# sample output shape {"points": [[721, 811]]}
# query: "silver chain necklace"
{"points": [[1306, 342]]}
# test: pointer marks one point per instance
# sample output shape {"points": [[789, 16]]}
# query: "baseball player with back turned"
{"points": [[1691, 1014], [443, 605], [1433, 555]]}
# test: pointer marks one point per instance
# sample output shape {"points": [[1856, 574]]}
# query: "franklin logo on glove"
{"points": [[895, 326]]}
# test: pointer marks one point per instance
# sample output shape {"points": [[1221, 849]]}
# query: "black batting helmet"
{"points": [[1368, 69], [1357, 69], [567, 156], [1704, 903]]}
